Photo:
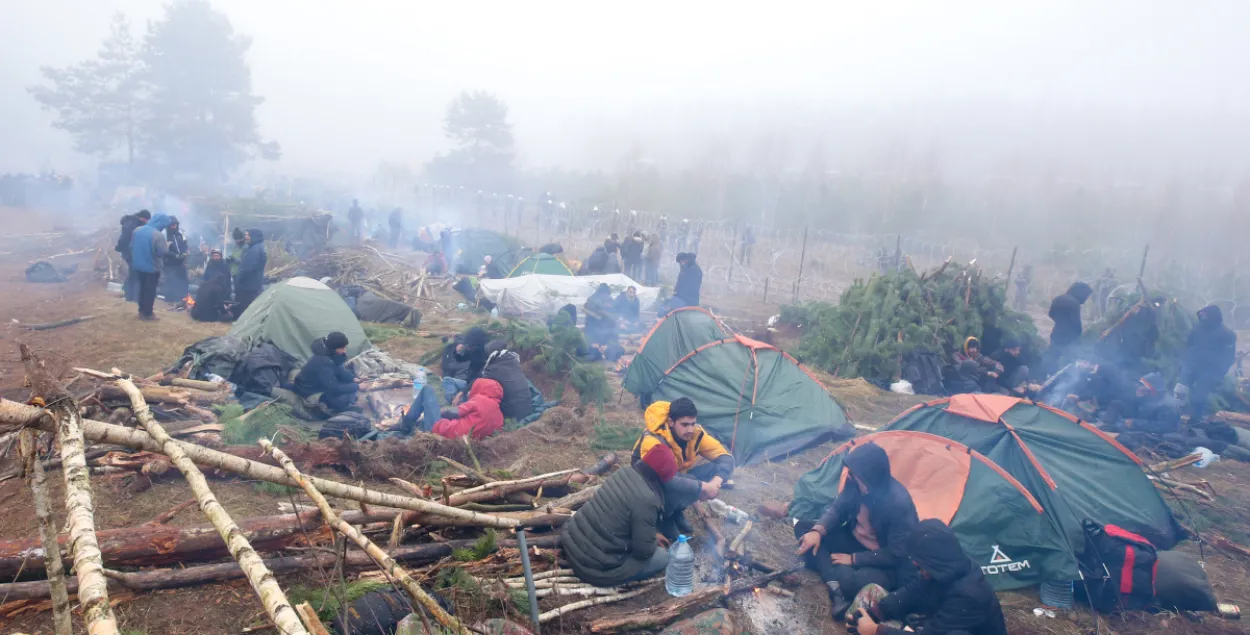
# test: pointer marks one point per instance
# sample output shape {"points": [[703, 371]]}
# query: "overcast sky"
{"points": [[351, 83]]}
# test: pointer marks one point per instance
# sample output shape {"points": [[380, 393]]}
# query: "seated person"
{"points": [[627, 310], [600, 317], [674, 426], [973, 372], [504, 366], [568, 312], [463, 361], [1014, 377], [613, 539], [436, 264], [1151, 410], [325, 374], [424, 410], [479, 415], [861, 538], [211, 301], [950, 593]]}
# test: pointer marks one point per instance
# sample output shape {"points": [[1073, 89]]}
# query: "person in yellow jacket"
{"points": [[675, 426]]}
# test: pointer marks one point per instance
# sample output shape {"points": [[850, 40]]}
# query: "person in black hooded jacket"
{"points": [[1065, 310], [250, 279], [950, 593], [211, 299], [325, 373], [862, 537], [1209, 353], [217, 266]]}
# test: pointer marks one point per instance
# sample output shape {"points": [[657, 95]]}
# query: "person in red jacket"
{"points": [[479, 415]]}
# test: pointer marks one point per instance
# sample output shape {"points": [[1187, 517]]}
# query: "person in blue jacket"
{"points": [[147, 254]]}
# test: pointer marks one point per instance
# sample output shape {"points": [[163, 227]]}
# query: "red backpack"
{"points": [[1119, 567]]}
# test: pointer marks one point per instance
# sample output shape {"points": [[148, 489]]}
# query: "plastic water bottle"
{"points": [[679, 576]]}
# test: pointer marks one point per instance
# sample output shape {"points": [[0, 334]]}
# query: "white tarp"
{"points": [[541, 295]]}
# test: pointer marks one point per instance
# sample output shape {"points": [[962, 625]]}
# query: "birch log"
{"points": [[62, 619], [93, 592], [393, 571], [280, 611], [101, 432]]}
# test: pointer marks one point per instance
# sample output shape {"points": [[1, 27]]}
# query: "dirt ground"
{"points": [[114, 338]]}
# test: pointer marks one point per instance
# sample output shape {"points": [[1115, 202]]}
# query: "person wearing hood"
{"points": [[949, 593], [631, 254], [862, 537], [600, 316], [674, 426], [470, 351], [1065, 310], [129, 223], [251, 277], [177, 284], [1150, 410], [689, 280], [615, 537], [478, 416], [504, 366], [1014, 376], [1209, 353], [147, 255], [974, 372], [217, 266], [212, 298], [325, 374]]}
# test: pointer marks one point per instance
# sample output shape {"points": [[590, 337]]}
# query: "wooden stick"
{"points": [[468, 471], [1164, 484], [262, 580], [88, 563], [736, 545], [174, 511], [47, 326], [315, 627], [607, 599], [661, 614], [102, 432], [393, 571], [574, 500], [1175, 464], [62, 619]]}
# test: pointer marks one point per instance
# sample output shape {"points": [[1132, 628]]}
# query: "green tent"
{"points": [[681, 331], [1002, 527], [546, 264], [471, 246], [752, 397], [293, 313]]}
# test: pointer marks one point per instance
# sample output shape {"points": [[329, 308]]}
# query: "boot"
{"points": [[839, 602]]}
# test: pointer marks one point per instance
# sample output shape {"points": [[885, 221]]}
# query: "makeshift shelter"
{"points": [[677, 333], [1001, 525], [293, 313], [539, 294], [754, 398], [545, 264], [1072, 468], [471, 246]]}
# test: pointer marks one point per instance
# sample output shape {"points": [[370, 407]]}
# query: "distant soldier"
{"points": [[356, 217], [1023, 280]]}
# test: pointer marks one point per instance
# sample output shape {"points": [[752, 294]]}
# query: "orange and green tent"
{"points": [[546, 264]]}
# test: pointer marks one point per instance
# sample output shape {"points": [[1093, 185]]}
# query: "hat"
{"points": [[660, 459], [335, 341]]}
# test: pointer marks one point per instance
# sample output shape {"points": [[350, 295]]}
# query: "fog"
{"points": [[1107, 90]]}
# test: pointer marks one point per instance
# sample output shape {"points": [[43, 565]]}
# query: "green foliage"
{"points": [[520, 601], [326, 600], [1173, 320], [609, 437], [484, 546], [260, 423], [274, 489], [379, 333], [456, 578], [879, 321], [591, 383]]}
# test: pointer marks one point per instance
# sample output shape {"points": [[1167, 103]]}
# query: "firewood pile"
{"points": [[407, 533], [389, 275]]}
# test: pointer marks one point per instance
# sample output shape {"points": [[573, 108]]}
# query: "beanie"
{"points": [[335, 341], [660, 458]]}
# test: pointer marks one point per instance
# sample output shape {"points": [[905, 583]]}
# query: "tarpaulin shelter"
{"points": [[471, 246], [1000, 524], [545, 264], [754, 398], [293, 313], [539, 294]]}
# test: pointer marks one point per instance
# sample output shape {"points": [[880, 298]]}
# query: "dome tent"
{"points": [[754, 398], [542, 264], [293, 313], [471, 246], [1072, 468], [1000, 524], [681, 331]]}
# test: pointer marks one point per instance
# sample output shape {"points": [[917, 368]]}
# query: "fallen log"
{"points": [[660, 614], [196, 384], [168, 395], [79, 506], [62, 619], [500, 489], [605, 599], [47, 326], [190, 576], [394, 572], [574, 500], [279, 609], [108, 433]]}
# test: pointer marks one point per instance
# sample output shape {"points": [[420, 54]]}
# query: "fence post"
{"points": [[802, 261], [729, 276], [766, 279]]}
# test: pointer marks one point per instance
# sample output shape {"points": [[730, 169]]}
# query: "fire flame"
{"points": [[189, 301]]}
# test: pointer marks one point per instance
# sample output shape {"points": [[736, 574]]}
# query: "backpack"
{"points": [[1119, 567]]}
